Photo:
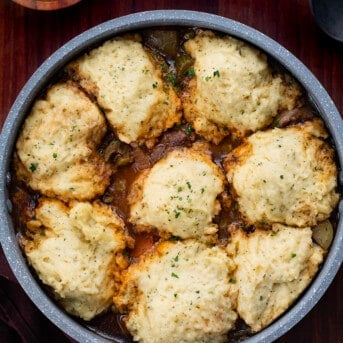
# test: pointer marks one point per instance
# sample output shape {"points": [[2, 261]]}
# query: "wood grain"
{"points": [[46, 5], [28, 37]]}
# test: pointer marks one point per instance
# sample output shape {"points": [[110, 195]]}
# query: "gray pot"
{"points": [[40, 79]]}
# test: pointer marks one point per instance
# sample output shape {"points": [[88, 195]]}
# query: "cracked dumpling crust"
{"points": [[56, 150], [284, 176], [234, 90], [180, 292], [273, 268], [178, 195], [77, 251], [127, 83]]}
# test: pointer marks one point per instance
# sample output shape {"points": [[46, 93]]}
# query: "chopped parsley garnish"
{"points": [[216, 73], [190, 72], [189, 129], [154, 85], [177, 214], [174, 238], [33, 167], [54, 155], [293, 254], [189, 185], [170, 78], [233, 281], [176, 258], [281, 177], [174, 275]]}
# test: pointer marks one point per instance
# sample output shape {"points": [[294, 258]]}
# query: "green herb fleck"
{"points": [[233, 281], [189, 185], [33, 167], [54, 155], [179, 189], [190, 72], [293, 254], [174, 275], [207, 78], [189, 129], [170, 78], [174, 238], [216, 73], [154, 85], [281, 177], [177, 214], [176, 258], [202, 190]]}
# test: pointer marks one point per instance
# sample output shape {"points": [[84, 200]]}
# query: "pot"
{"points": [[94, 36]]}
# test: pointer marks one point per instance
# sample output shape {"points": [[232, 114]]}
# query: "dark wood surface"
{"points": [[28, 37]]}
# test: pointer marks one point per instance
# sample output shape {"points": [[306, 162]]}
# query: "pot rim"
{"points": [[317, 94]]}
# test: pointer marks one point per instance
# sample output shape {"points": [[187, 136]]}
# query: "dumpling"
{"points": [[180, 292], [56, 149], [234, 90], [128, 85], [177, 196]]}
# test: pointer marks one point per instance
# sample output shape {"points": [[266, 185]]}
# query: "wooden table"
{"points": [[28, 37]]}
